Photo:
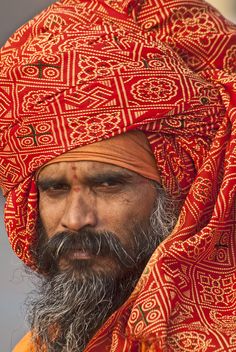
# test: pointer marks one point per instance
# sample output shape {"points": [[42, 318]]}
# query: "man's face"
{"points": [[99, 225], [93, 197]]}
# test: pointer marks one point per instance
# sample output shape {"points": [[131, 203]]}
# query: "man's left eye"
{"points": [[109, 183]]}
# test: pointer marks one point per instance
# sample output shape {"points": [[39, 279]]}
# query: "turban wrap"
{"points": [[83, 71]]}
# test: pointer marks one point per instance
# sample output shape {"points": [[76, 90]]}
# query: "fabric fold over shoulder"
{"points": [[25, 344]]}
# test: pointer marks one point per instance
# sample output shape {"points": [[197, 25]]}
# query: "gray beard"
{"points": [[67, 309]]}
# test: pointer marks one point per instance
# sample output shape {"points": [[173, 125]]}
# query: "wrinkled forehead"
{"points": [[68, 171]]}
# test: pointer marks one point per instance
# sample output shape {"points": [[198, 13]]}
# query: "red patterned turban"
{"points": [[86, 70]]}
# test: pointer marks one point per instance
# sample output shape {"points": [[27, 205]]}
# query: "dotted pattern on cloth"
{"points": [[83, 71]]}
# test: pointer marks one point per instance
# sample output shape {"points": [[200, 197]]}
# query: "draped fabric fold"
{"points": [[86, 70]]}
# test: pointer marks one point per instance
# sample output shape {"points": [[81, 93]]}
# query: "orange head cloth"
{"points": [[129, 150], [87, 70]]}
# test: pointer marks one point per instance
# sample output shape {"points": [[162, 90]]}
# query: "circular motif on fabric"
{"points": [[154, 89], [27, 142], [134, 315], [134, 65], [148, 305], [43, 128], [156, 61], [40, 68], [34, 135], [151, 22], [45, 139], [51, 59], [153, 316], [137, 321], [30, 71], [22, 131], [173, 123], [51, 72], [221, 255]]}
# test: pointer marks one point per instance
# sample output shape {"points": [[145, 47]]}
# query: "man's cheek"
{"points": [[50, 217]]}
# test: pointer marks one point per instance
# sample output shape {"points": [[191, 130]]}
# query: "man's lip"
{"points": [[78, 255]]}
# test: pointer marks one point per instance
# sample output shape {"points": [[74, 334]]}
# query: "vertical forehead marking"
{"points": [[75, 178], [73, 166], [74, 171]]}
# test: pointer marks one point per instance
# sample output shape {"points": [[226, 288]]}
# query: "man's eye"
{"points": [[58, 188], [109, 184], [54, 188]]}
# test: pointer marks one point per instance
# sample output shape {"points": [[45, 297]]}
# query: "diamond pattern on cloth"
{"points": [[86, 70]]}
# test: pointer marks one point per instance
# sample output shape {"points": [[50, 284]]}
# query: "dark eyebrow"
{"points": [[97, 178], [106, 176], [49, 182]]}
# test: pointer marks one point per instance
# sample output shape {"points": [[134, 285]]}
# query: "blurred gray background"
{"points": [[14, 283]]}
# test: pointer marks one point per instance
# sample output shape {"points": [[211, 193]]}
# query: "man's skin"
{"points": [[94, 195]]}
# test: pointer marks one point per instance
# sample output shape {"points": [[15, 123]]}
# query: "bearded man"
{"points": [[96, 234], [119, 171]]}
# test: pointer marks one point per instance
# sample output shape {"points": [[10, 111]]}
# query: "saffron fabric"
{"points": [[25, 345], [129, 150], [86, 70]]}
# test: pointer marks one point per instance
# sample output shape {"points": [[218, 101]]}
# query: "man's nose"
{"points": [[80, 211]]}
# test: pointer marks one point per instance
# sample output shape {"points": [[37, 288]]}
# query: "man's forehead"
{"points": [[129, 152], [66, 169]]}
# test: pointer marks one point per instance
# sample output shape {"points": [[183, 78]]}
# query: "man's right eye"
{"points": [[58, 188], [53, 187]]}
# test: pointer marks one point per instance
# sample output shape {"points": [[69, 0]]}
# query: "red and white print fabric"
{"points": [[86, 70]]}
